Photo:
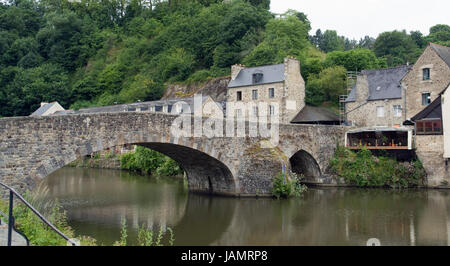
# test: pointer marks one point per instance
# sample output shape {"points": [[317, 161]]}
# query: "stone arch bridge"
{"points": [[33, 147]]}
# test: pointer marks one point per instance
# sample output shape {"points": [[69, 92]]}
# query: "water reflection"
{"points": [[97, 200]]}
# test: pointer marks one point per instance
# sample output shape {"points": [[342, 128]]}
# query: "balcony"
{"points": [[379, 139]]}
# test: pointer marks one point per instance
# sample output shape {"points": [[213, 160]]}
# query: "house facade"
{"points": [[405, 108], [427, 106], [427, 79], [281, 86], [377, 99]]}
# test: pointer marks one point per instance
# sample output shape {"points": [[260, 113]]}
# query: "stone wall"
{"points": [[31, 148], [415, 85], [431, 154]]}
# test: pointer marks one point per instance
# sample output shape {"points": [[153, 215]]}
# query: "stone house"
{"points": [[432, 141], [427, 106], [377, 98], [427, 79], [48, 109], [375, 106], [404, 108], [280, 86], [172, 106]]}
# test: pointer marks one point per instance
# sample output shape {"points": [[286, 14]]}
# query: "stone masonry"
{"points": [[33, 147], [289, 93], [415, 85]]}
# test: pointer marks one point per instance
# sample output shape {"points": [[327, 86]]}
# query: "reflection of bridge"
{"points": [[33, 147]]}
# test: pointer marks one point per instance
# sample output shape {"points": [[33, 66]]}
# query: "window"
{"points": [[144, 108], [239, 113], [271, 110], [426, 98], [255, 94], [257, 78], [429, 127], [397, 110], [426, 74], [131, 109], [380, 111], [179, 108], [158, 108], [239, 96], [255, 111], [271, 93]]}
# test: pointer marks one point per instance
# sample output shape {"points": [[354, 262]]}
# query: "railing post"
{"points": [[10, 217]]}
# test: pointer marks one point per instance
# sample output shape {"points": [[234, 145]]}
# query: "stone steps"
{"points": [[17, 239]]}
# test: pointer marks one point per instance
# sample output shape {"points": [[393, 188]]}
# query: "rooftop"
{"points": [[270, 74], [442, 51], [44, 108], [315, 115], [383, 83]]}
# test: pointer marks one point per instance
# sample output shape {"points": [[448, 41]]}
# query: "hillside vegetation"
{"points": [[91, 52]]}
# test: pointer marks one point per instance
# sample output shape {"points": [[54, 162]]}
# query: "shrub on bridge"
{"points": [[284, 187]]}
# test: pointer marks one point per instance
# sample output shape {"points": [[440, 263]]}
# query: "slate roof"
{"points": [[315, 115], [126, 107], [271, 74], [442, 51], [383, 83], [44, 108], [432, 111]]}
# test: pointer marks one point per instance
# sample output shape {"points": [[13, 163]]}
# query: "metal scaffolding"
{"points": [[351, 82]]}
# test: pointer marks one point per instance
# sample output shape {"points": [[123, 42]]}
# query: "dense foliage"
{"points": [[148, 161], [365, 170], [284, 186], [38, 233], [91, 52]]}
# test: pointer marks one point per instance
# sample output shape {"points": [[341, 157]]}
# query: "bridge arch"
{"points": [[206, 170], [303, 163]]}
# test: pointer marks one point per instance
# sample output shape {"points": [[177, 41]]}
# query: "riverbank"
{"points": [[142, 160]]}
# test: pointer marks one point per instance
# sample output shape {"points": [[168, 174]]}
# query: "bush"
{"points": [[287, 186], [147, 161], [365, 170]]}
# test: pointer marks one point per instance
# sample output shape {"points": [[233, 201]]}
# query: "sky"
{"points": [[357, 18]]}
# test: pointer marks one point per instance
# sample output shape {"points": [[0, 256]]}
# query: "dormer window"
{"points": [[426, 74], [257, 78]]}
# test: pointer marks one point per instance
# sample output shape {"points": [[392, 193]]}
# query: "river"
{"points": [[98, 200]]}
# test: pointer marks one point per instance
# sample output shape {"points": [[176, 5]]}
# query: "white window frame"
{"points": [[397, 110], [271, 110], [380, 114], [254, 94]]}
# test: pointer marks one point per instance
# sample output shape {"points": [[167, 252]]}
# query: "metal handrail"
{"points": [[13, 192]]}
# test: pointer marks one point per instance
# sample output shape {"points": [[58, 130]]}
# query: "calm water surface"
{"points": [[96, 201]]}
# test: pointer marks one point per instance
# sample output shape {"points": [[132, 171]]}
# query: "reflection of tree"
{"points": [[98, 200], [336, 217]]}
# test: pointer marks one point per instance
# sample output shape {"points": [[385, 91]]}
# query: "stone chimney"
{"points": [[291, 66], [235, 69]]}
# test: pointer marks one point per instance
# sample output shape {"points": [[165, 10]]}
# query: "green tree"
{"points": [[354, 60], [331, 42], [327, 86], [397, 47], [286, 36], [439, 34]]}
